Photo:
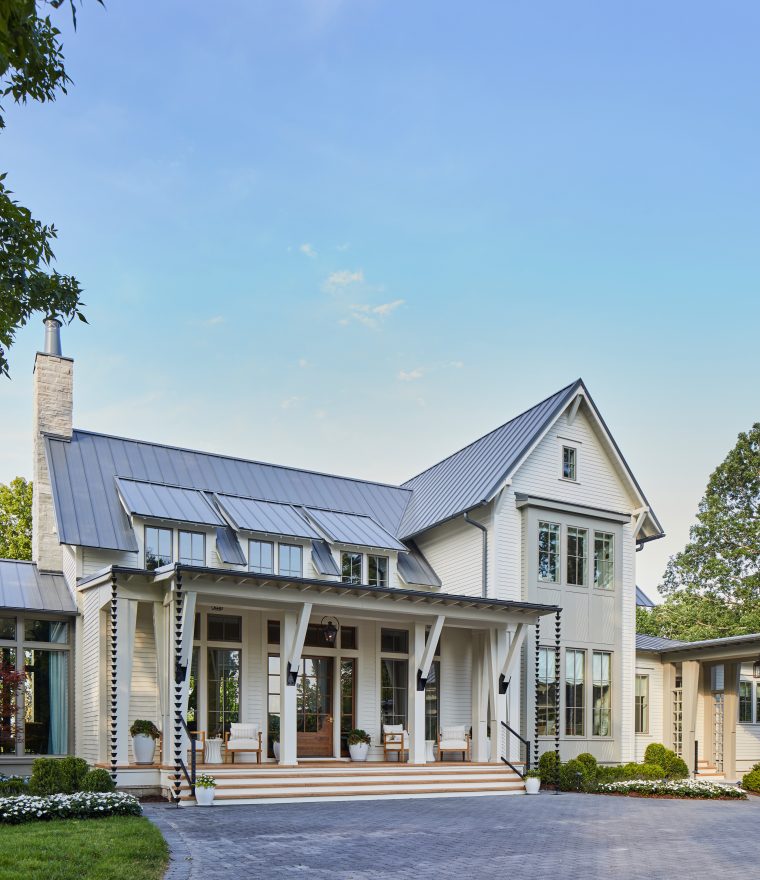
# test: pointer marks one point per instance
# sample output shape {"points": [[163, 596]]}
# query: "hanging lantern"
{"points": [[330, 630], [756, 669]]}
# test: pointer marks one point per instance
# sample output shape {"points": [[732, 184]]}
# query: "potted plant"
{"points": [[144, 735], [532, 781], [274, 735], [205, 785], [358, 745]]}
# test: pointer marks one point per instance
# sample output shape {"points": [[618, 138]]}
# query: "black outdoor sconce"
{"points": [[330, 630]]}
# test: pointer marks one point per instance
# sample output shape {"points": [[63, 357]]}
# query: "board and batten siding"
{"points": [[650, 665]]}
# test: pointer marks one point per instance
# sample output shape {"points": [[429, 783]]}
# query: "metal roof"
{"points": [[655, 643], [89, 513], [266, 516], [726, 641], [642, 600], [351, 528], [24, 588], [323, 560], [415, 569], [228, 547], [469, 478], [157, 501]]}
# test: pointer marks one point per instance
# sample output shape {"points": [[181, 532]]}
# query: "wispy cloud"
{"points": [[410, 375], [372, 316], [217, 319], [458, 365], [307, 249], [290, 402], [341, 279]]}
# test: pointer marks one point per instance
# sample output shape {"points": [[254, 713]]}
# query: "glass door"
{"points": [[314, 707]]}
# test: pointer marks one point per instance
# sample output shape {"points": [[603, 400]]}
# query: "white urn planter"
{"points": [[204, 796], [143, 748], [358, 751], [276, 749], [532, 785]]}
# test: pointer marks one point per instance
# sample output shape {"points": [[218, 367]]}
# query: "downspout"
{"points": [[480, 526]]}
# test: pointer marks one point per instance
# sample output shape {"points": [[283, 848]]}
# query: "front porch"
{"points": [[210, 648]]}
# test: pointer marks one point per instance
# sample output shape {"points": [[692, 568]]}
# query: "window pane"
{"points": [[351, 568], [433, 701], [574, 692], [224, 628], [602, 696], [261, 557], [348, 638], [158, 547], [745, 702], [347, 688], [53, 631], [394, 641], [192, 699], [46, 702], [8, 721], [577, 556], [377, 571], [604, 560], [273, 632], [223, 690], [7, 627], [546, 692], [394, 678], [568, 462], [641, 707], [192, 548], [290, 560], [548, 552]]}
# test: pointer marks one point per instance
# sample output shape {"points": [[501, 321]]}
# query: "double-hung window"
{"points": [[158, 547], [377, 571], [577, 556], [291, 560], [351, 568], [641, 705], [569, 463], [394, 676], [192, 548], [261, 557], [546, 695], [548, 551], [602, 693], [575, 673], [745, 702], [604, 560]]}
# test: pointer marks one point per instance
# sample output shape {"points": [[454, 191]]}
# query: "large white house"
{"points": [[495, 592]]}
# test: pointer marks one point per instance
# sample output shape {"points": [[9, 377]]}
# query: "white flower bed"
{"points": [[82, 805], [685, 788]]}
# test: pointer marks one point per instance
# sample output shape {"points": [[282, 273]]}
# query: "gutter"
{"points": [[480, 526]]}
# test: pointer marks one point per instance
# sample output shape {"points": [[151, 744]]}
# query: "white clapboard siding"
{"points": [[91, 677], [747, 746], [455, 550], [650, 665], [255, 653], [628, 645], [143, 694], [94, 560]]}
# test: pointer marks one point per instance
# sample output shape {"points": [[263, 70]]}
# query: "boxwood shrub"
{"points": [[98, 780], [57, 775], [751, 780]]}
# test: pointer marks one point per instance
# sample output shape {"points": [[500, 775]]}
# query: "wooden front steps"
{"points": [[709, 771], [345, 781]]}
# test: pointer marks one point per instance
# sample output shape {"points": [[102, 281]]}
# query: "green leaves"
{"points": [[16, 519]]}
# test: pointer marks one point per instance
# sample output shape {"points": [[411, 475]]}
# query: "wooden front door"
{"points": [[315, 707]]}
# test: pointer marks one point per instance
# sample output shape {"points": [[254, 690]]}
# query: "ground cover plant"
{"points": [[80, 805], [680, 788]]}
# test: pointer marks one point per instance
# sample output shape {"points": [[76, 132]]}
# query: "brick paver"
{"points": [[567, 836]]}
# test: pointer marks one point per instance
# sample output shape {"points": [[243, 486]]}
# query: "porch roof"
{"points": [[326, 587]]}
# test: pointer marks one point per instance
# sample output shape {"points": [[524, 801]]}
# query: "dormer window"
{"points": [[192, 548], [569, 463], [261, 557], [291, 560], [377, 571], [158, 547], [351, 568]]}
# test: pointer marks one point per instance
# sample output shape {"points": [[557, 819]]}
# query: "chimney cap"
{"points": [[52, 336]]}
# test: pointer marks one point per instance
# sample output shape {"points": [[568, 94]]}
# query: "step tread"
{"points": [[337, 793]]}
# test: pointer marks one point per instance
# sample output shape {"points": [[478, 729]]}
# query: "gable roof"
{"points": [[642, 600]]}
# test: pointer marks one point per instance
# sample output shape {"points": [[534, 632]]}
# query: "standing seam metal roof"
{"points": [[24, 587]]}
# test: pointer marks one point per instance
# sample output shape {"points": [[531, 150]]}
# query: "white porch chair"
{"points": [[395, 741], [200, 744], [243, 738], [454, 739]]}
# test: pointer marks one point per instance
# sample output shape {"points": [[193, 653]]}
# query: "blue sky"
{"points": [[353, 236]]}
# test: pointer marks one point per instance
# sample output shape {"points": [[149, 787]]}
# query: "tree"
{"points": [[712, 587], [16, 519], [31, 68]]}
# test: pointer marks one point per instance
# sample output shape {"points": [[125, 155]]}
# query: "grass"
{"points": [[114, 848]]}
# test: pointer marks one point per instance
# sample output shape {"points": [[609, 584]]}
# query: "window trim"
{"points": [[558, 553], [145, 543], [752, 702], [568, 448], [201, 535], [645, 705], [609, 734], [260, 542], [584, 692], [387, 570], [360, 557], [280, 546], [568, 556], [613, 552], [551, 651]]}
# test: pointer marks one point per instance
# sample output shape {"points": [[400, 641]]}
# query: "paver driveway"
{"points": [[567, 836]]}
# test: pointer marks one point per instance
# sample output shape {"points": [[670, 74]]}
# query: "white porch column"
{"points": [[690, 694], [292, 637], [186, 654], [126, 622], [497, 663], [479, 696], [416, 697], [160, 636]]}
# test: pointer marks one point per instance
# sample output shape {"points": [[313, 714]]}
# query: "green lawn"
{"points": [[83, 849]]}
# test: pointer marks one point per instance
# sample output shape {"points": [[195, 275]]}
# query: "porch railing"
{"points": [[524, 742], [190, 777], [696, 757]]}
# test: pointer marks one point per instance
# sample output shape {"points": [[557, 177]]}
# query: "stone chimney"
{"points": [[53, 412]]}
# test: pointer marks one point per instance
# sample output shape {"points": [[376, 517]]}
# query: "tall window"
{"points": [[546, 697], [548, 552], [347, 700], [394, 676], [569, 463], [602, 693], [273, 701], [575, 662], [351, 568], [641, 706], [377, 571], [433, 700], [577, 556], [604, 560], [223, 667], [158, 547], [745, 702], [261, 557], [192, 548], [291, 560]]}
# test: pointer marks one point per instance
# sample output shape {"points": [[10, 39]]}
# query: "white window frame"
{"points": [[577, 530], [569, 448], [361, 566], [551, 526], [191, 533], [387, 569], [280, 546], [145, 542], [645, 704], [753, 719], [275, 555], [604, 535]]}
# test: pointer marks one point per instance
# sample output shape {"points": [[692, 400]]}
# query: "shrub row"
{"points": [[58, 776], [751, 780], [81, 805]]}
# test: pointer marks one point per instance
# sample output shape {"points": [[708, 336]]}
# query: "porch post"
{"points": [[186, 656], [497, 662], [416, 697], [126, 621], [690, 685], [288, 704], [479, 696], [730, 716], [162, 674]]}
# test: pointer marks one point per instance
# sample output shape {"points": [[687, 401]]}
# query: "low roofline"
{"points": [[435, 597]]}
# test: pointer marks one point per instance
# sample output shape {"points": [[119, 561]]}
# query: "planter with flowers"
{"points": [[144, 735], [358, 745], [205, 786], [532, 781]]}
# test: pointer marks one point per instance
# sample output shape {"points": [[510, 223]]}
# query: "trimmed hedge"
{"points": [[751, 780], [57, 775], [82, 805], [98, 780]]}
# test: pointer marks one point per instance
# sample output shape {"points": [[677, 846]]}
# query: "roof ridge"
{"points": [[578, 381], [254, 461]]}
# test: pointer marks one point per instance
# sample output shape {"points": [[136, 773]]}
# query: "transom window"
{"points": [[546, 692], [377, 571], [351, 568], [224, 628], [569, 463], [261, 557], [394, 641], [604, 560], [575, 663], [192, 548], [158, 547], [577, 556], [291, 560], [641, 706], [548, 552], [602, 693]]}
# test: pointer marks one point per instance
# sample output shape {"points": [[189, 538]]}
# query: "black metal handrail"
{"points": [[696, 757], [193, 739], [525, 742]]}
